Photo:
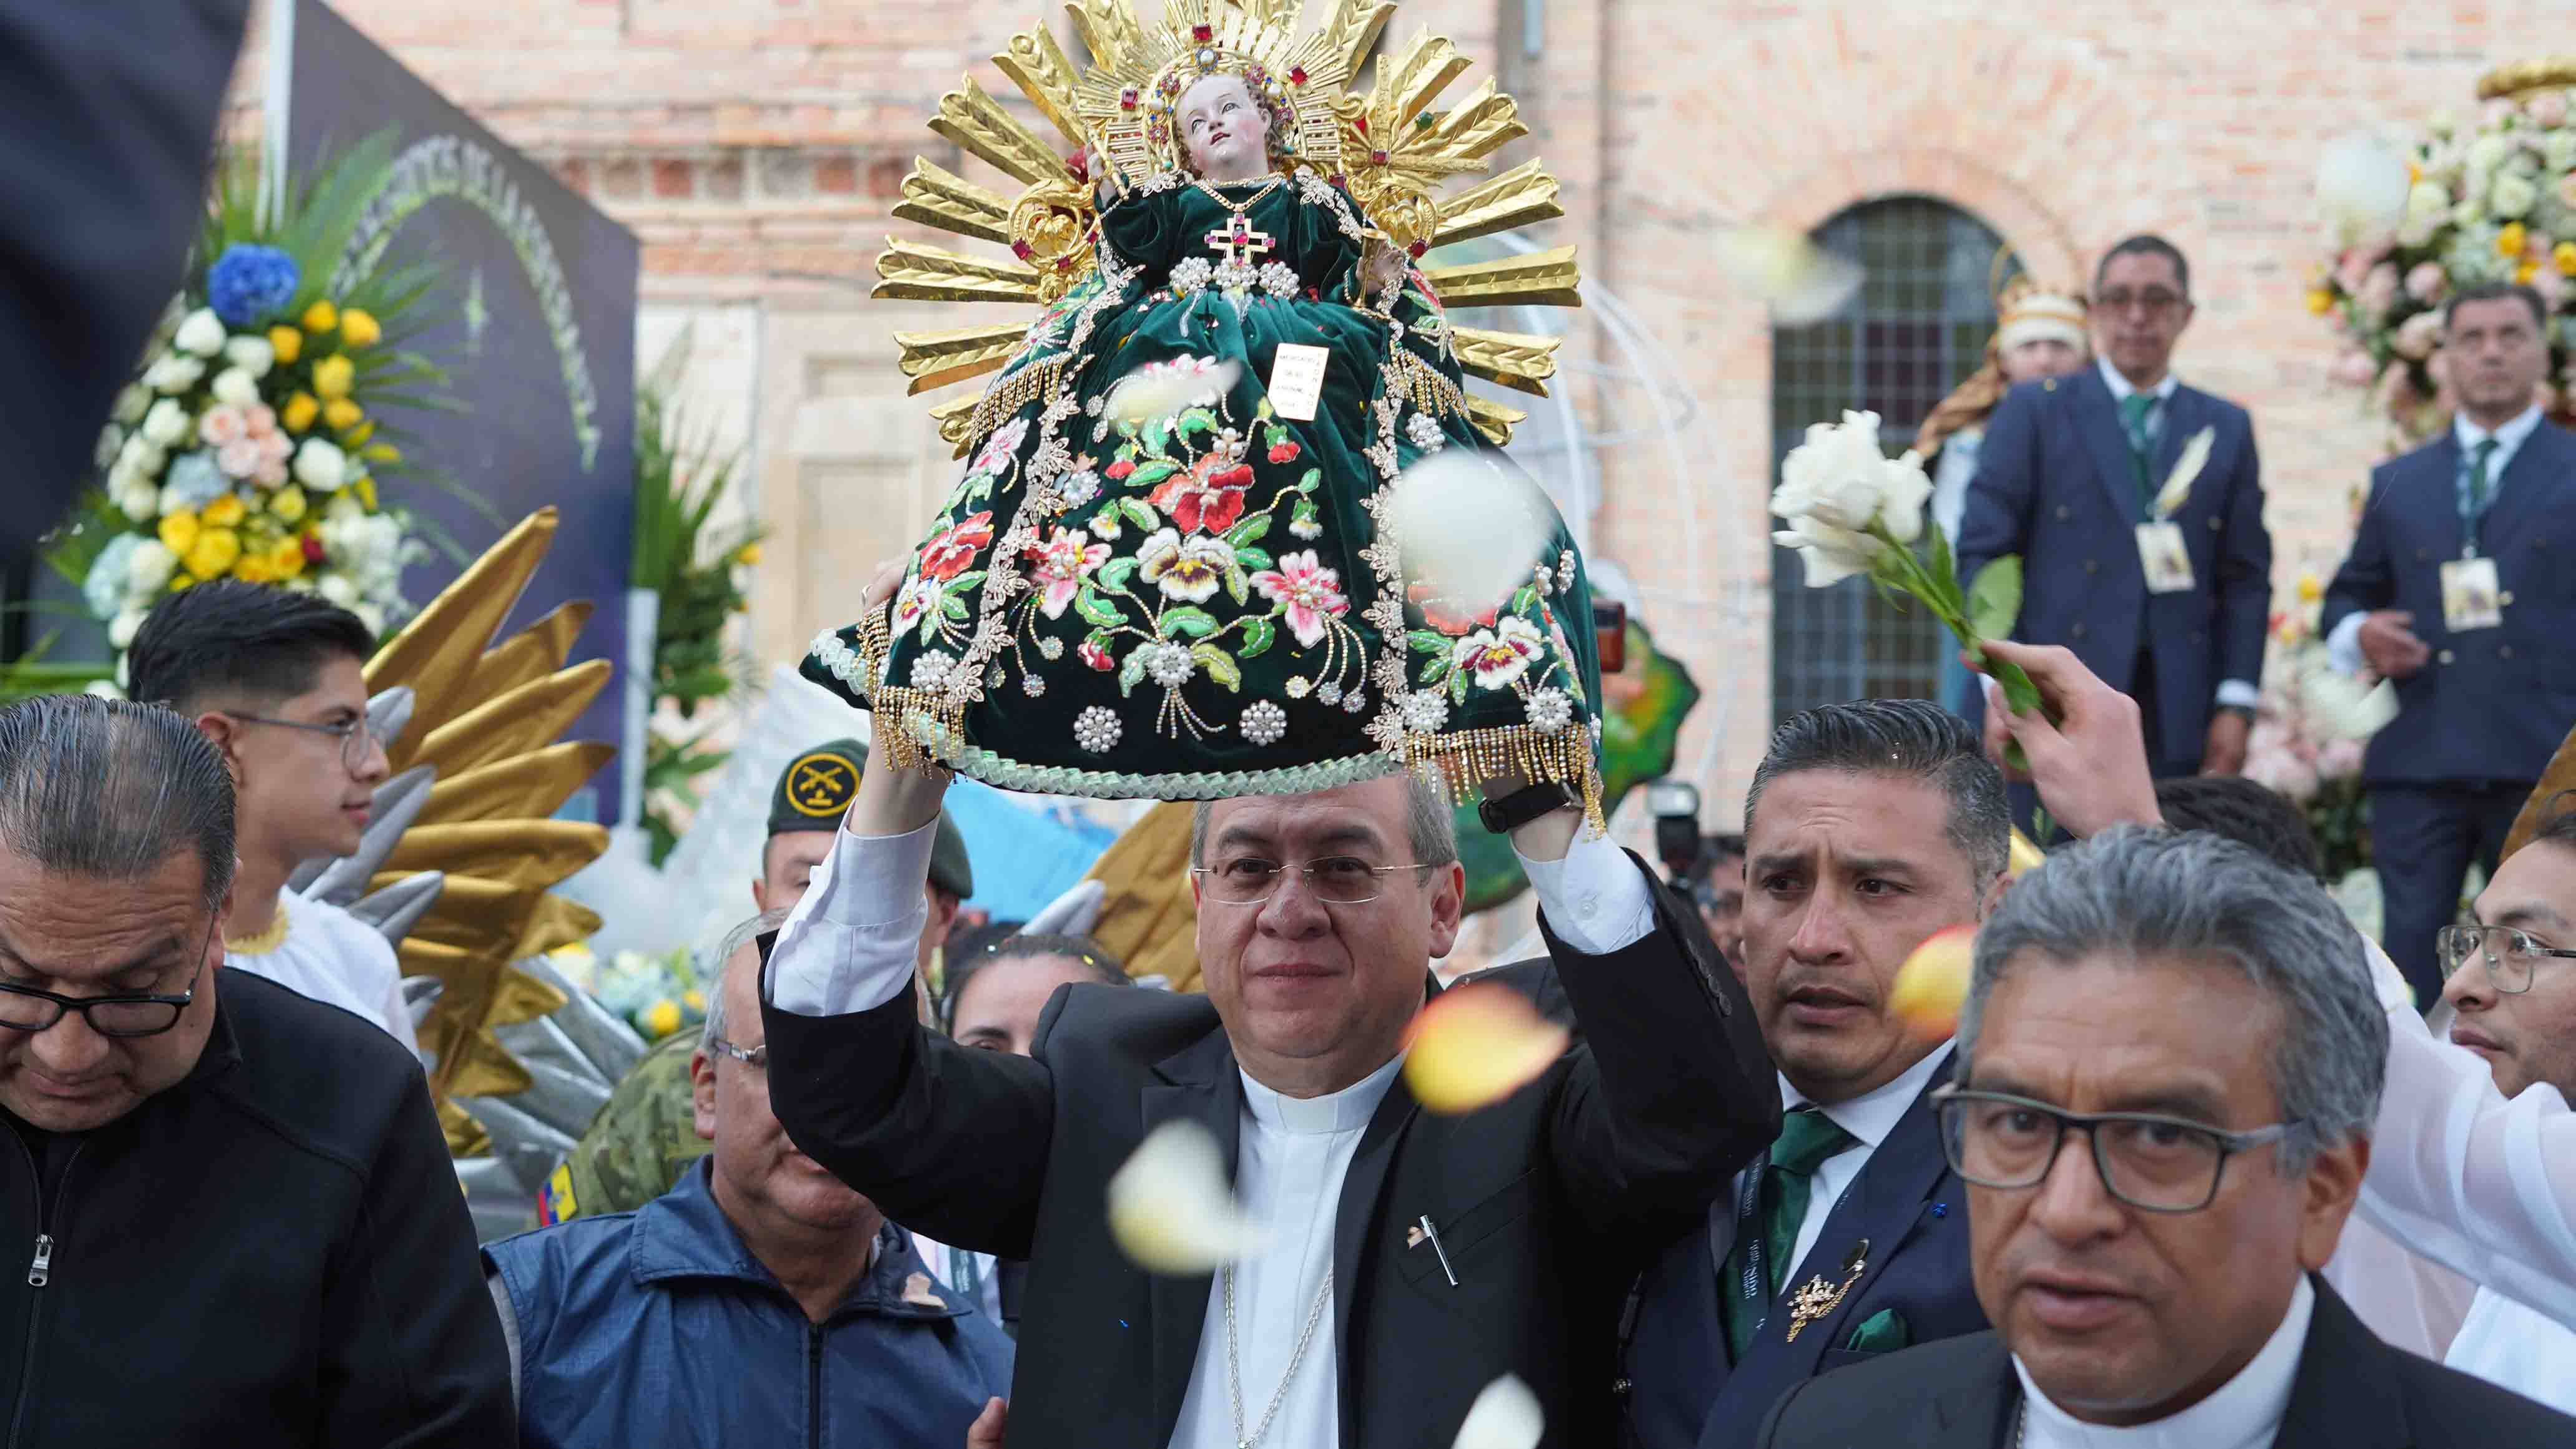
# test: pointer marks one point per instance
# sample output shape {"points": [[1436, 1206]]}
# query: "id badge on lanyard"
{"points": [[1755, 1284]]}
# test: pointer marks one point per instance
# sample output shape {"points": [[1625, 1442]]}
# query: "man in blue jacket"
{"points": [[2461, 587], [2069, 479], [760, 1301]]}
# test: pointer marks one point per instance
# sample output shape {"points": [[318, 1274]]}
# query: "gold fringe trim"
{"points": [[915, 727], [1004, 399], [1415, 381], [1467, 759]]}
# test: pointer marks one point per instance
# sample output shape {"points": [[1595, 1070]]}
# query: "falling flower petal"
{"points": [[1474, 1045], [1933, 983], [1467, 530], [1802, 282], [1170, 1208], [1505, 1416], [2186, 471], [1161, 392], [2341, 707], [2362, 185], [2022, 857]]}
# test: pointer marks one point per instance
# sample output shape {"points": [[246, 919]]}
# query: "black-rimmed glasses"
{"points": [[1339, 880], [2156, 1163], [754, 1057], [357, 736], [31, 1009], [2511, 955], [2154, 301]]}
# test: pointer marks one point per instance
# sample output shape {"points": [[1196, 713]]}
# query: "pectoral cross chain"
{"points": [[1237, 238]]}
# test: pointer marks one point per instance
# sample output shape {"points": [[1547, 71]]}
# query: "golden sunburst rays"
{"points": [[485, 721], [1391, 145]]}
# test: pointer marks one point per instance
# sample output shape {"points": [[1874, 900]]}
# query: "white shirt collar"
{"points": [[1873, 1114], [2508, 437], [2120, 387], [2243, 1413], [1347, 1110]]}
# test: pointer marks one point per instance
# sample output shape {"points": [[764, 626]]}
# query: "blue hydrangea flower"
{"points": [[104, 589], [193, 482], [250, 282]]}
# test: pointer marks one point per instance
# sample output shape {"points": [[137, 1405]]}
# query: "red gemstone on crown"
{"points": [[1377, 158], [1127, 99], [1296, 75], [1022, 250], [1202, 34], [1417, 248]]}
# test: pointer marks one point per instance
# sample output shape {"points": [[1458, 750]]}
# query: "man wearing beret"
{"points": [[647, 1134]]}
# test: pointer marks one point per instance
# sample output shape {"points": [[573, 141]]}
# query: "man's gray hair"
{"points": [[713, 970], [1906, 738], [1430, 823], [2136, 892], [104, 788]]}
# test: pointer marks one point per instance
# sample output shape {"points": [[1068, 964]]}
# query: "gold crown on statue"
{"points": [[1128, 97]]}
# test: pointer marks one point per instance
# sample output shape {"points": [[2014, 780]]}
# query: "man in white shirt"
{"points": [[2458, 588], [1410, 1258], [2169, 1070], [1869, 827], [275, 680]]}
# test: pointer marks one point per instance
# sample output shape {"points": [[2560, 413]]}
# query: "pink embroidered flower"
{"points": [[1117, 472], [1189, 569], [1062, 562], [1310, 593], [947, 555], [221, 426], [1208, 497], [1499, 655], [1096, 656], [1449, 616], [998, 448]]}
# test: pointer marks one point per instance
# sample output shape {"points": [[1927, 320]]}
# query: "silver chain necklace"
{"points": [[1234, 1368]]}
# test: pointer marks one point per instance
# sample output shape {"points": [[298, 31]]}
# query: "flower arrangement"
{"points": [[2491, 200], [248, 448], [657, 993]]}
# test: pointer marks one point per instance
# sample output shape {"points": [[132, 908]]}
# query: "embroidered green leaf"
{"points": [[1236, 585], [1253, 558], [1308, 483], [1524, 600], [952, 606], [1152, 473], [1427, 641], [1458, 686], [1183, 619], [964, 581], [1220, 666], [1257, 635], [1994, 600], [1144, 517], [1196, 420], [1098, 610], [1156, 436], [930, 624], [1131, 672], [1114, 574], [1250, 530]]}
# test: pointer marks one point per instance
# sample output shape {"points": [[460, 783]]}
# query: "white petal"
{"points": [[2362, 186], [1170, 1208], [1505, 1416], [1142, 399], [2186, 471], [1468, 528], [1802, 282]]}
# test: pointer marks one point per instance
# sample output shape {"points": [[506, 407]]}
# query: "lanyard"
{"points": [[1753, 1285]]}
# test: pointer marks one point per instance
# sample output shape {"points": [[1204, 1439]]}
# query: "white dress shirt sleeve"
{"points": [[852, 943], [1594, 899], [2343, 646], [2238, 693]]}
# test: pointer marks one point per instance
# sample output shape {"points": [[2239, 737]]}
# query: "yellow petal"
{"points": [[1474, 1045], [358, 329], [2186, 471], [2023, 857], [333, 377], [1506, 1415], [1170, 1208], [286, 342], [321, 317], [342, 414], [300, 412], [1801, 282], [179, 533], [1933, 983]]}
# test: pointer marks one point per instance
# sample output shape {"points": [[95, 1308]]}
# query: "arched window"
{"points": [[1917, 327]]}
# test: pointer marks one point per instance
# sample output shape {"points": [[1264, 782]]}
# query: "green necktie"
{"points": [[2133, 421], [1807, 1138], [2480, 484]]}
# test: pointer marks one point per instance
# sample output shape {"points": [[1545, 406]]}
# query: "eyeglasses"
{"points": [[1336, 880], [28, 1009], [2156, 1163], [357, 736], [2156, 301], [2510, 955], [756, 1057]]}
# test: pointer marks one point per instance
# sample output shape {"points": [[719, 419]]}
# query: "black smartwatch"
{"points": [[1519, 808]]}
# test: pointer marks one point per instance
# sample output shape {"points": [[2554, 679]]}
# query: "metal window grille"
{"points": [[1916, 329]]}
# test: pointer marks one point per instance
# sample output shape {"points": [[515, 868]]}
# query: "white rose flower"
{"points": [[2471, 210], [149, 569], [111, 441], [2426, 201], [1829, 554], [321, 466], [340, 510], [131, 403], [337, 588], [1839, 478], [136, 498], [173, 372], [1907, 489], [201, 333], [166, 424], [2512, 197], [251, 354], [2558, 149], [120, 630], [141, 457], [2488, 152], [236, 386]]}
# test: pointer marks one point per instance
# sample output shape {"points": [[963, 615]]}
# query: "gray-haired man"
{"points": [[2170, 1065], [241, 1220]]}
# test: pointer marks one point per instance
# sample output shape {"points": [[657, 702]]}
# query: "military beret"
{"points": [[818, 785]]}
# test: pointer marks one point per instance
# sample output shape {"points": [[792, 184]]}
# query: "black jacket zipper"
{"points": [[814, 1386], [40, 1271]]}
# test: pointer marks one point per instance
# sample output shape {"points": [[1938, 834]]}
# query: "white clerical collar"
{"points": [[2120, 387], [2508, 437], [1347, 1110], [2244, 1413], [1873, 1114]]}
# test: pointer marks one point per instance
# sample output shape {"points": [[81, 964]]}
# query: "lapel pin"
{"points": [[1815, 1300], [1431, 1235], [1940, 1209]]}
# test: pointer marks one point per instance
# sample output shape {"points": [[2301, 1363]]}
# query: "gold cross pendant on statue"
{"points": [[1814, 1299], [1237, 238]]}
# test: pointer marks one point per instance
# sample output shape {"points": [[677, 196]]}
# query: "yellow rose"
{"points": [[2310, 589], [359, 434], [383, 453], [182, 581], [179, 533], [333, 377], [253, 569], [694, 999], [2320, 301], [2510, 241], [365, 488], [357, 329], [2565, 257], [287, 503], [213, 552], [747, 555], [661, 1018], [286, 342], [2524, 273], [224, 512], [342, 414], [321, 317], [287, 559], [299, 412]]}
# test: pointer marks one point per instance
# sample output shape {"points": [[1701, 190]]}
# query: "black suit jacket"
{"points": [[2352, 1392], [1543, 1201]]}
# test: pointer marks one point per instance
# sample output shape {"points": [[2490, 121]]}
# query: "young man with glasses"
{"points": [[2069, 479], [274, 680], [2170, 1064]]}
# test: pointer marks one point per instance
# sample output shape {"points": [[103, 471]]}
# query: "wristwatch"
{"points": [[1519, 808]]}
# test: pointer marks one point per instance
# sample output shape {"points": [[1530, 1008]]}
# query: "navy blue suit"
{"points": [[2476, 726], [2055, 485], [1686, 1394]]}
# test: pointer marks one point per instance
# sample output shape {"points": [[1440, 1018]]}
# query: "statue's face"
{"points": [[1223, 132]]}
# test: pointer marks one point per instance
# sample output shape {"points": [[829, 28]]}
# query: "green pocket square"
{"points": [[1881, 1332]]}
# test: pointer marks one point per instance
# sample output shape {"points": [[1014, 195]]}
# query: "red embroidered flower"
{"points": [[947, 555], [1095, 656], [1283, 452], [1449, 616], [1198, 502], [1118, 471]]}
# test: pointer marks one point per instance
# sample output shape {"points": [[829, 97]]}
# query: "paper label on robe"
{"points": [[1297, 380], [2471, 598], [2165, 557]]}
